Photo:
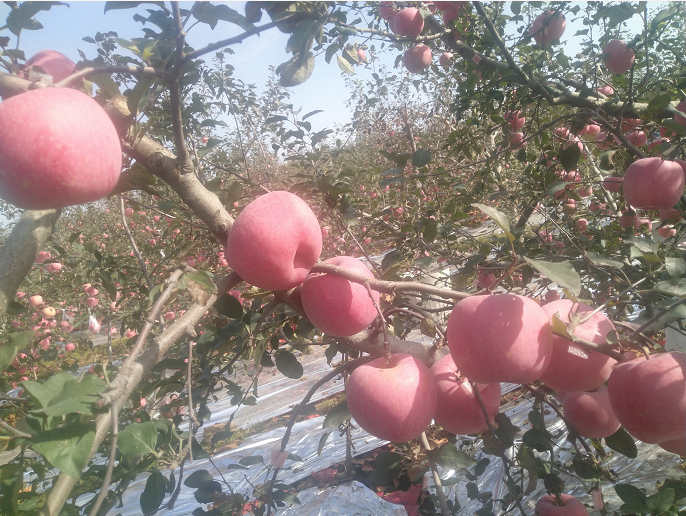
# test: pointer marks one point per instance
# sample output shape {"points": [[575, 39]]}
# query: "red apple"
{"points": [[337, 306], [274, 242], [666, 231], [387, 10], [681, 106], [445, 59], [649, 396], [457, 408], [417, 58], [547, 506], [52, 62], [613, 184], [409, 22], [590, 413], [656, 143], [591, 130], [547, 27], [500, 338], [517, 141], [603, 141], [361, 55], [571, 368], [606, 90], [630, 124], [618, 57], [515, 120], [35, 301], [677, 446], [653, 183], [58, 148], [394, 401], [638, 138], [43, 256]]}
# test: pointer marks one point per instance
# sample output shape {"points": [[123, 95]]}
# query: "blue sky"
{"points": [[65, 27]]}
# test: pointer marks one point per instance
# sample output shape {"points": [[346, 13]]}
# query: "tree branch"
{"points": [[17, 256], [64, 484]]}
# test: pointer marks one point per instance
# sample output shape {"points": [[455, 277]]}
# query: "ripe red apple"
{"points": [[35, 301], [638, 138], [337, 306], [571, 368], [69, 347], [275, 241], [591, 130], [52, 62], [613, 184], [394, 401], [58, 148], [666, 231], [681, 106], [653, 183], [457, 408], [547, 506], [603, 141], [656, 143], [517, 141], [417, 58], [445, 59], [630, 124], [515, 120], [409, 22], [649, 396], [43, 256], [618, 57], [361, 55], [677, 446], [387, 10], [590, 413], [500, 338], [606, 90], [54, 267], [547, 27]]}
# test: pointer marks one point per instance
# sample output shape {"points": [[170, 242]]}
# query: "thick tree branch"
{"points": [[64, 484], [17, 256]]}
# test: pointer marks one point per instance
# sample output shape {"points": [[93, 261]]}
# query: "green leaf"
{"points": [[675, 266], [506, 430], [220, 12], [661, 501], [616, 14], [536, 420], [211, 144], [15, 342], [296, 70], [586, 469], [22, 17], [555, 187], [499, 218], [42, 394], [337, 415], [344, 65], [562, 273], [279, 495], [539, 440], [386, 467], [674, 286], [75, 396], [322, 442], [330, 51], [623, 443], [630, 494], [251, 460], [569, 157], [421, 157], [448, 456], [138, 439], [288, 365], [153, 494], [198, 478], [599, 259], [428, 327], [67, 447], [659, 102], [229, 306]]}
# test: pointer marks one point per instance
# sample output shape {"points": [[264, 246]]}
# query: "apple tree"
{"points": [[504, 206]]}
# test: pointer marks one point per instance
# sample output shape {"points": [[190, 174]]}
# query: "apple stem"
{"points": [[386, 343]]}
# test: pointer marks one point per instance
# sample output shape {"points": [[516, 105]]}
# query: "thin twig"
{"points": [[654, 318], [15, 431], [384, 324], [437, 479], [191, 414], [133, 70], [104, 490], [501, 451]]}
